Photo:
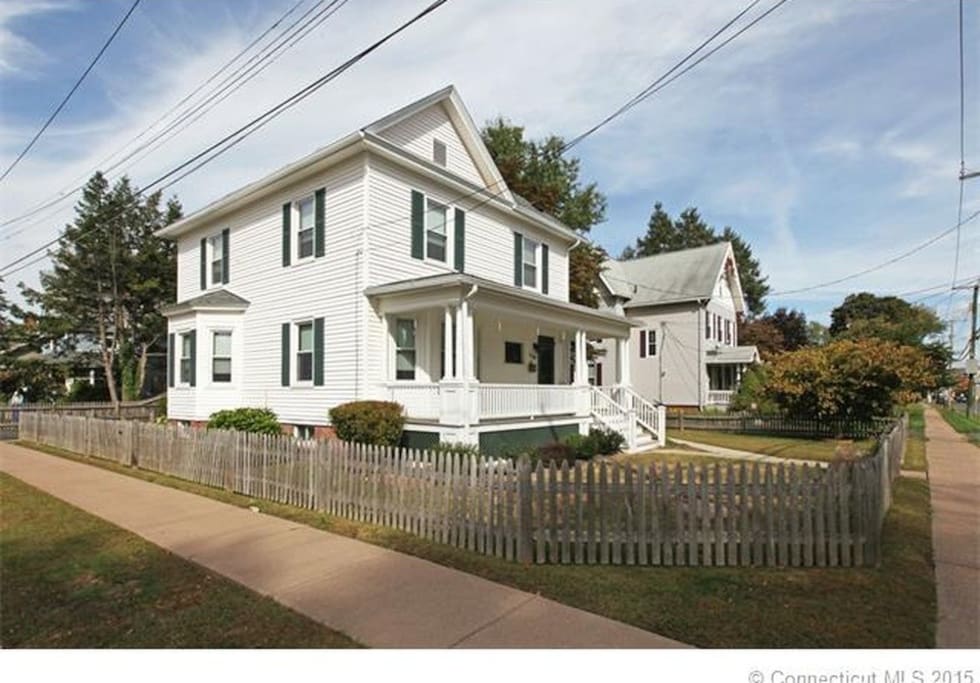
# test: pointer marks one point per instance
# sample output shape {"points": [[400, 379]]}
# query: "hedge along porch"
{"points": [[477, 362], [588, 513]]}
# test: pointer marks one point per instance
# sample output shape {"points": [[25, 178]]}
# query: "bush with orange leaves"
{"points": [[847, 379]]}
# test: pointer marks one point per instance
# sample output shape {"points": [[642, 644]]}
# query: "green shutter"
{"points": [[518, 259], [319, 245], [204, 263], [225, 256], [418, 225], [318, 352], [193, 335], [544, 268], [459, 248], [285, 354], [171, 341], [287, 210]]}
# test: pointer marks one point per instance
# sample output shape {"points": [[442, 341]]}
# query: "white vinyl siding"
{"points": [[419, 133]]}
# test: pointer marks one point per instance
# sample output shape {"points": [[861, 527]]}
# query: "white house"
{"points": [[393, 264], [684, 351]]}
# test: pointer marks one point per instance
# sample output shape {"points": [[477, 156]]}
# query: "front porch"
{"points": [[466, 357], [725, 367]]}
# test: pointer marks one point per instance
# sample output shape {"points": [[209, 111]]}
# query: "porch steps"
{"points": [[621, 409]]}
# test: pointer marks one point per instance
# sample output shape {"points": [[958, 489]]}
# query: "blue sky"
{"points": [[828, 135]]}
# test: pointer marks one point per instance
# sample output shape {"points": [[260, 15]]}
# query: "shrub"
{"points": [[555, 451], [466, 449], [379, 423], [606, 441], [252, 420]]}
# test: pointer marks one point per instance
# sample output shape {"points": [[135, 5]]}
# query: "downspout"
{"points": [[702, 309]]}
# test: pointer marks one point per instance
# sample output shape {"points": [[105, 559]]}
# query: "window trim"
{"points": [[231, 353], [296, 228], [414, 349], [436, 145], [447, 233], [295, 351], [181, 381], [536, 250], [651, 337], [520, 352]]}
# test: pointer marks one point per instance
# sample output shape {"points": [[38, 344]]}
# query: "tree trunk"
{"points": [[141, 370]]}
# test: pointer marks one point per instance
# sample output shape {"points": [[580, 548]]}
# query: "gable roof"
{"points": [[368, 139], [467, 130], [672, 277]]}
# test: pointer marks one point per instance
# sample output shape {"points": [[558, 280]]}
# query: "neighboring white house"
{"points": [[685, 351], [392, 264]]}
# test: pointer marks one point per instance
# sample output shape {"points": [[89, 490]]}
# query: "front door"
{"points": [[546, 360]]}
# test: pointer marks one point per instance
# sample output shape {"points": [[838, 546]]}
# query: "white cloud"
{"points": [[18, 55]]}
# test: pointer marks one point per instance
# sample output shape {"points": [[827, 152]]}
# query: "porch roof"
{"points": [[741, 355], [449, 288]]}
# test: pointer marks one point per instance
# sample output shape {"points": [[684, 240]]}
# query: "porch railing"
{"points": [[421, 400], [719, 397], [527, 400]]}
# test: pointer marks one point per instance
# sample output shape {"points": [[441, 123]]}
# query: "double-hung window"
{"points": [[216, 250], [728, 332], [304, 228], [186, 358], [530, 256], [707, 325], [404, 348], [436, 239], [221, 357], [651, 342], [304, 352]]}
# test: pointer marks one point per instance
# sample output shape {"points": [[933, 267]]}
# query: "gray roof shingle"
{"points": [[671, 277]]}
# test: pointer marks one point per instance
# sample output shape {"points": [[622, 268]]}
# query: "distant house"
{"points": [[393, 264], [684, 350]]}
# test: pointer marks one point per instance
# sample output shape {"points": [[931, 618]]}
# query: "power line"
{"points": [[884, 264], [232, 139], [218, 94], [643, 93], [71, 92]]}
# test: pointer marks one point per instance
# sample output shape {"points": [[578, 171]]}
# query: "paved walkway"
{"points": [[954, 486], [735, 454], [379, 597]]}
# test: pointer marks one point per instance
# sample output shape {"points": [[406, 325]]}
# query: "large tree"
{"points": [[776, 332], [109, 275], [539, 172], [689, 230]]}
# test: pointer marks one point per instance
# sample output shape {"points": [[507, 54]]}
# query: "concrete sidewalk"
{"points": [[954, 489], [379, 597]]}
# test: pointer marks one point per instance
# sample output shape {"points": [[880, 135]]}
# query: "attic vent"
{"points": [[439, 152]]}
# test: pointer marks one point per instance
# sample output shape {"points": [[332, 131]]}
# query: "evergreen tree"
{"points": [[109, 276], [689, 230]]}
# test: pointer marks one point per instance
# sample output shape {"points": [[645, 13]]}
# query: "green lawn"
{"points": [[72, 580], [893, 607], [970, 426], [915, 451], [779, 446]]}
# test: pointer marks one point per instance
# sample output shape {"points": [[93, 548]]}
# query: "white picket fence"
{"points": [[584, 513]]}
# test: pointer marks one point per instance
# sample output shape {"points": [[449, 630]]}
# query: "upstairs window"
{"points": [[221, 357], [728, 332], [707, 325], [531, 263], [405, 348], [304, 352], [718, 330], [436, 241], [439, 152], [304, 228], [216, 259]]}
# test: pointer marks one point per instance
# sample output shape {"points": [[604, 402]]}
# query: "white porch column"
{"points": [[458, 347], [581, 361], [623, 355], [449, 353], [388, 363], [468, 338]]}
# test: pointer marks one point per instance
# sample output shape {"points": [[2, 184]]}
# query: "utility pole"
{"points": [[971, 358]]}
